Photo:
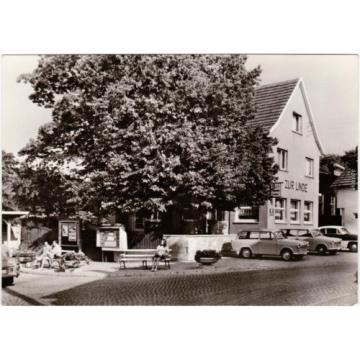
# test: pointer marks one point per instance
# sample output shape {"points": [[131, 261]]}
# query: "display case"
{"points": [[111, 237], [69, 234]]}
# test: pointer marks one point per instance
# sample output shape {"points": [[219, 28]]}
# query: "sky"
{"points": [[331, 82]]}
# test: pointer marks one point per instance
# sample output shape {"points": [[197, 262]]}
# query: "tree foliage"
{"points": [[45, 189], [153, 131], [348, 160], [10, 177]]}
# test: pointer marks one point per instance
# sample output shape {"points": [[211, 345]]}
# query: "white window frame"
{"points": [[295, 210], [309, 167], [297, 123], [310, 212], [239, 220], [282, 157], [281, 209]]}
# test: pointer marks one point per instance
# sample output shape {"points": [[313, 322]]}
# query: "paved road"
{"points": [[318, 281]]}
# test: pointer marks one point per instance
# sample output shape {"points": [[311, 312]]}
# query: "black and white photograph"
{"points": [[180, 179]]}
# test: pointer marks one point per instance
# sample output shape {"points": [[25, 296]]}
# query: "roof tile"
{"points": [[347, 179], [270, 101]]}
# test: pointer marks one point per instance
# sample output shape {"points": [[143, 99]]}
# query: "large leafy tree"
{"points": [[350, 159], [153, 131], [46, 189], [10, 177]]}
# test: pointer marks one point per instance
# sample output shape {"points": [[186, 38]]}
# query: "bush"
{"points": [[207, 253]]}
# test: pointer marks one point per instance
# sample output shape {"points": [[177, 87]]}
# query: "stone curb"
{"points": [[67, 273]]}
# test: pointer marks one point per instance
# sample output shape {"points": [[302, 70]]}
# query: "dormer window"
{"points": [[297, 123]]}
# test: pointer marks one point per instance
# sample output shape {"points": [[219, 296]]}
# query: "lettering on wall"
{"points": [[276, 189], [296, 186]]}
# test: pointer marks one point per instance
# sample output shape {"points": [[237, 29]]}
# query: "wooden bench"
{"points": [[142, 255]]}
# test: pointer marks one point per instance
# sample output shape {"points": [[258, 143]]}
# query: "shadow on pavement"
{"points": [[28, 299]]}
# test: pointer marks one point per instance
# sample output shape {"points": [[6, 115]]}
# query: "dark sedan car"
{"points": [[349, 241]]}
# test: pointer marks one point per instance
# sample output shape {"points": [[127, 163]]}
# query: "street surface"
{"points": [[316, 280]]}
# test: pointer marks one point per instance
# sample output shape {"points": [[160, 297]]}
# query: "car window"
{"points": [[242, 235], [266, 235], [279, 235], [292, 232], [344, 231], [330, 231], [316, 233], [304, 233], [254, 235]]}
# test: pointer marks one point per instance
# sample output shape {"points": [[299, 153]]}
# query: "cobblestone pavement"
{"points": [[318, 280], [30, 289]]}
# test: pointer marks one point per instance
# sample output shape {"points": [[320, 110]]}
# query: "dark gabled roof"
{"points": [[347, 179], [270, 101]]}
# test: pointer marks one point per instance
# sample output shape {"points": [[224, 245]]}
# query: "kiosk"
{"points": [[112, 240], [69, 234]]}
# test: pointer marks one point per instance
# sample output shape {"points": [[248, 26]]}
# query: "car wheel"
{"points": [[286, 255], [321, 249], [333, 252], [353, 247], [246, 253]]}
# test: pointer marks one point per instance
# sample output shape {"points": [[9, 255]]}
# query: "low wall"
{"points": [[184, 247]]}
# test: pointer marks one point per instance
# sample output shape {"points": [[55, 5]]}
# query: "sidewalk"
{"points": [[104, 269]]}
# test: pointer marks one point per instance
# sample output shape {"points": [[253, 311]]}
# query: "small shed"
{"points": [[11, 228]]}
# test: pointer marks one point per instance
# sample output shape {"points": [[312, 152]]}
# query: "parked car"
{"points": [[349, 241], [317, 241], [9, 265], [266, 242]]}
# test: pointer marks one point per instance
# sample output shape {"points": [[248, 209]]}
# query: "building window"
{"points": [[189, 214], [154, 216], [280, 210], [309, 167], [247, 214], [282, 159], [139, 221], [308, 212], [295, 211], [332, 205], [219, 215], [297, 123]]}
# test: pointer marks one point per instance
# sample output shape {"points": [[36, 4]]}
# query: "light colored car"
{"points": [[9, 267], [318, 243], [349, 241], [267, 242]]}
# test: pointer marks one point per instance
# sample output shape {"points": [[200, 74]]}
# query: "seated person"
{"points": [[162, 252], [45, 255], [56, 249]]}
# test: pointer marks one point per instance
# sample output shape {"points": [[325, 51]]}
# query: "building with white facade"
{"points": [[346, 195], [284, 110]]}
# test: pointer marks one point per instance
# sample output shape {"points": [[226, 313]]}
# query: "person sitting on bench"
{"points": [[162, 252], [45, 255]]}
